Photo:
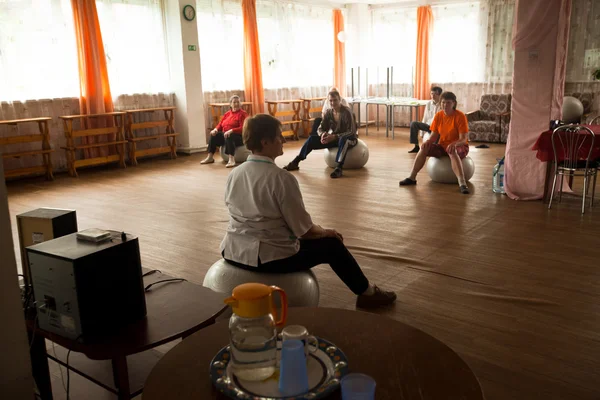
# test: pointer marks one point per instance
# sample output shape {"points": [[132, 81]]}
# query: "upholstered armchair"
{"points": [[491, 122]]}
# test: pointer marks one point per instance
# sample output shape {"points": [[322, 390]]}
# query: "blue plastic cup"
{"points": [[293, 376], [358, 387]]}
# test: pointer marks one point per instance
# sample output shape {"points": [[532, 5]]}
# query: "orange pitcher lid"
{"points": [[251, 300]]}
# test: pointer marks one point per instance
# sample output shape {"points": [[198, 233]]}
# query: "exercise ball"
{"points": [[241, 154], [356, 158], [302, 288], [440, 169], [572, 109]]}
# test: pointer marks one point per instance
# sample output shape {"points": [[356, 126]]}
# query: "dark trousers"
{"points": [[234, 140], [314, 143], [314, 252], [415, 127], [315, 127]]}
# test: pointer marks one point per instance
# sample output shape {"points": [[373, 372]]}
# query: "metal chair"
{"points": [[595, 120], [570, 159]]}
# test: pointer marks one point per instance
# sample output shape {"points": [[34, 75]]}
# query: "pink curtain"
{"points": [[540, 39]]}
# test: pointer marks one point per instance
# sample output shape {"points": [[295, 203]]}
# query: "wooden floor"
{"points": [[512, 287]]}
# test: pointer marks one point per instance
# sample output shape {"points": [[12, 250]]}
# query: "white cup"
{"points": [[298, 332]]}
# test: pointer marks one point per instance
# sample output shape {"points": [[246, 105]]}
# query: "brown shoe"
{"points": [[380, 298], [293, 166]]}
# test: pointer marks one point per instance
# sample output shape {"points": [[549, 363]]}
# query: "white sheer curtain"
{"points": [[296, 44], [134, 42], [38, 53], [221, 33], [457, 44], [583, 56]]}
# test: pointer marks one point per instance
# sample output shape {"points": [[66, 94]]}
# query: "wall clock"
{"points": [[189, 13]]}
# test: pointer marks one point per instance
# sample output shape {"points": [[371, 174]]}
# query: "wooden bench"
{"points": [[307, 110], [294, 113], [45, 151], [170, 135], [116, 119], [216, 110]]}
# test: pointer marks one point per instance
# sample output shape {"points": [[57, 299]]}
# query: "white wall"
{"points": [[185, 77], [16, 381]]}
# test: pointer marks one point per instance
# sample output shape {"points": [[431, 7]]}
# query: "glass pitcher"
{"points": [[253, 330]]}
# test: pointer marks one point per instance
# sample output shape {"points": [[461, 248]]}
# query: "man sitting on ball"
{"points": [[451, 127]]}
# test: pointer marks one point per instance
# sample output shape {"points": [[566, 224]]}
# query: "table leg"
{"points": [[367, 120], [392, 108], [387, 120], [377, 117], [39, 366], [121, 377]]}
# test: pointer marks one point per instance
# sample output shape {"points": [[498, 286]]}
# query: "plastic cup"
{"points": [[358, 387], [293, 376]]}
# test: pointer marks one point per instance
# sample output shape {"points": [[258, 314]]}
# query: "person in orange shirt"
{"points": [[227, 133], [451, 127]]}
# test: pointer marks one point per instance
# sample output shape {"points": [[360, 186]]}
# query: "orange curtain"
{"points": [[339, 53], [252, 68], [424, 30], [94, 89]]}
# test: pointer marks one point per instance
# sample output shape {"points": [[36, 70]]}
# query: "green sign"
{"points": [[191, 47]]}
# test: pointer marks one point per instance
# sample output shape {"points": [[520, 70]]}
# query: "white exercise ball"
{"points": [[356, 157], [572, 109], [440, 169], [301, 287], [241, 154]]}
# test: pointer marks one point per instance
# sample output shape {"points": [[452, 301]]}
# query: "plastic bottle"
{"points": [[498, 177]]}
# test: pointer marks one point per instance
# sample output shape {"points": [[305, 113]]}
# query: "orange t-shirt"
{"points": [[449, 127]]}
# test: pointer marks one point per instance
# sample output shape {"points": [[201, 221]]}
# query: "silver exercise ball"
{"points": [[356, 158], [241, 154], [572, 109], [440, 169], [302, 288]]}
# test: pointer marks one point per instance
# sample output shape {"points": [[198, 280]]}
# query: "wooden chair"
{"points": [[170, 135], [45, 151], [118, 143], [294, 113], [307, 110]]}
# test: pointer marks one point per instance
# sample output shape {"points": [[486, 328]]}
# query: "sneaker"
{"points": [[464, 189], [415, 149], [337, 173], [293, 166], [407, 182], [207, 161], [380, 298], [231, 164]]}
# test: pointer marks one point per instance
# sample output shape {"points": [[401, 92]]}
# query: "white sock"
{"points": [[231, 159], [209, 157], [370, 290], [462, 182]]}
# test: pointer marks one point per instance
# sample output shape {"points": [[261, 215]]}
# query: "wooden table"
{"points": [[45, 151], [406, 362], [273, 107], [131, 126], [216, 110], [174, 310]]}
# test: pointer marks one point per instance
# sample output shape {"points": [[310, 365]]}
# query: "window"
{"points": [[457, 52], [394, 42], [221, 41], [134, 42], [38, 53], [296, 44]]}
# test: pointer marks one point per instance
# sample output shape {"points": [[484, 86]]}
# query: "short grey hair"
{"points": [[232, 98]]}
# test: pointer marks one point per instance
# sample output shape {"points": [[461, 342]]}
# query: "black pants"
{"points": [[314, 252], [234, 140], [415, 127]]}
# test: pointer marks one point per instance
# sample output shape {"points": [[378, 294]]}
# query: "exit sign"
{"points": [[191, 47]]}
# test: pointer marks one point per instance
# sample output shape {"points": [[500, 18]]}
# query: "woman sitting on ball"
{"points": [[228, 133], [269, 228], [451, 127]]}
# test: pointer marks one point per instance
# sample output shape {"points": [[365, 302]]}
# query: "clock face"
{"points": [[189, 13]]}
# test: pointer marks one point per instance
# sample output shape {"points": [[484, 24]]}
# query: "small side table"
{"points": [[307, 110], [294, 113]]}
